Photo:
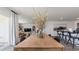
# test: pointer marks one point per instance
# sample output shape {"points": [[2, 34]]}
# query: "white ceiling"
{"points": [[54, 13]]}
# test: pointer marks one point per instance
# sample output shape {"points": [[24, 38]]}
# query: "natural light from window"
{"points": [[4, 28]]}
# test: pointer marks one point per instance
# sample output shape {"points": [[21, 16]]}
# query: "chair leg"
{"points": [[73, 43], [61, 37], [68, 41], [64, 39]]}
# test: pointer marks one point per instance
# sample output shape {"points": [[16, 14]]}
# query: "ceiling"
{"points": [[54, 13]]}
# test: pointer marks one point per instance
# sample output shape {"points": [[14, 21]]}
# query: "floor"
{"points": [[6, 47], [68, 47]]}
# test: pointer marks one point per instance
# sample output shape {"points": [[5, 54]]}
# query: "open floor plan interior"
{"points": [[39, 28]]}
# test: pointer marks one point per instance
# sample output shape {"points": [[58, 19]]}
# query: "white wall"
{"points": [[75, 23], [27, 25], [51, 24]]}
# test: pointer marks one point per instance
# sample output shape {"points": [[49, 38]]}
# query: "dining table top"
{"points": [[35, 42]]}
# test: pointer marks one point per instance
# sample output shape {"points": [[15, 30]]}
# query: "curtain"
{"points": [[13, 28]]}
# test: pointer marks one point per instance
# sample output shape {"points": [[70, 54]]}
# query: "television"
{"points": [[27, 29]]}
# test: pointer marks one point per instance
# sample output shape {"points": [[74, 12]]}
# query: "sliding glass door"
{"points": [[4, 29], [8, 27]]}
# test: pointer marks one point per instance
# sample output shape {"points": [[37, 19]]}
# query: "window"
{"points": [[4, 29]]}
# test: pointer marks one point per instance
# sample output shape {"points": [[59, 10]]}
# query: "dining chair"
{"points": [[65, 36], [74, 38], [59, 34]]}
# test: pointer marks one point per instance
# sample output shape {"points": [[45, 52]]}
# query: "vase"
{"points": [[40, 34]]}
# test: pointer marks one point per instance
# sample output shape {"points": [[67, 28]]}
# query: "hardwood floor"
{"points": [[67, 48]]}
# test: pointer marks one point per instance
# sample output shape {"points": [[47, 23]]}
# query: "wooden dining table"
{"points": [[35, 43]]}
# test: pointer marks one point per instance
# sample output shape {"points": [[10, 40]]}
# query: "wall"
{"points": [[50, 25], [75, 23], [71, 24]]}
